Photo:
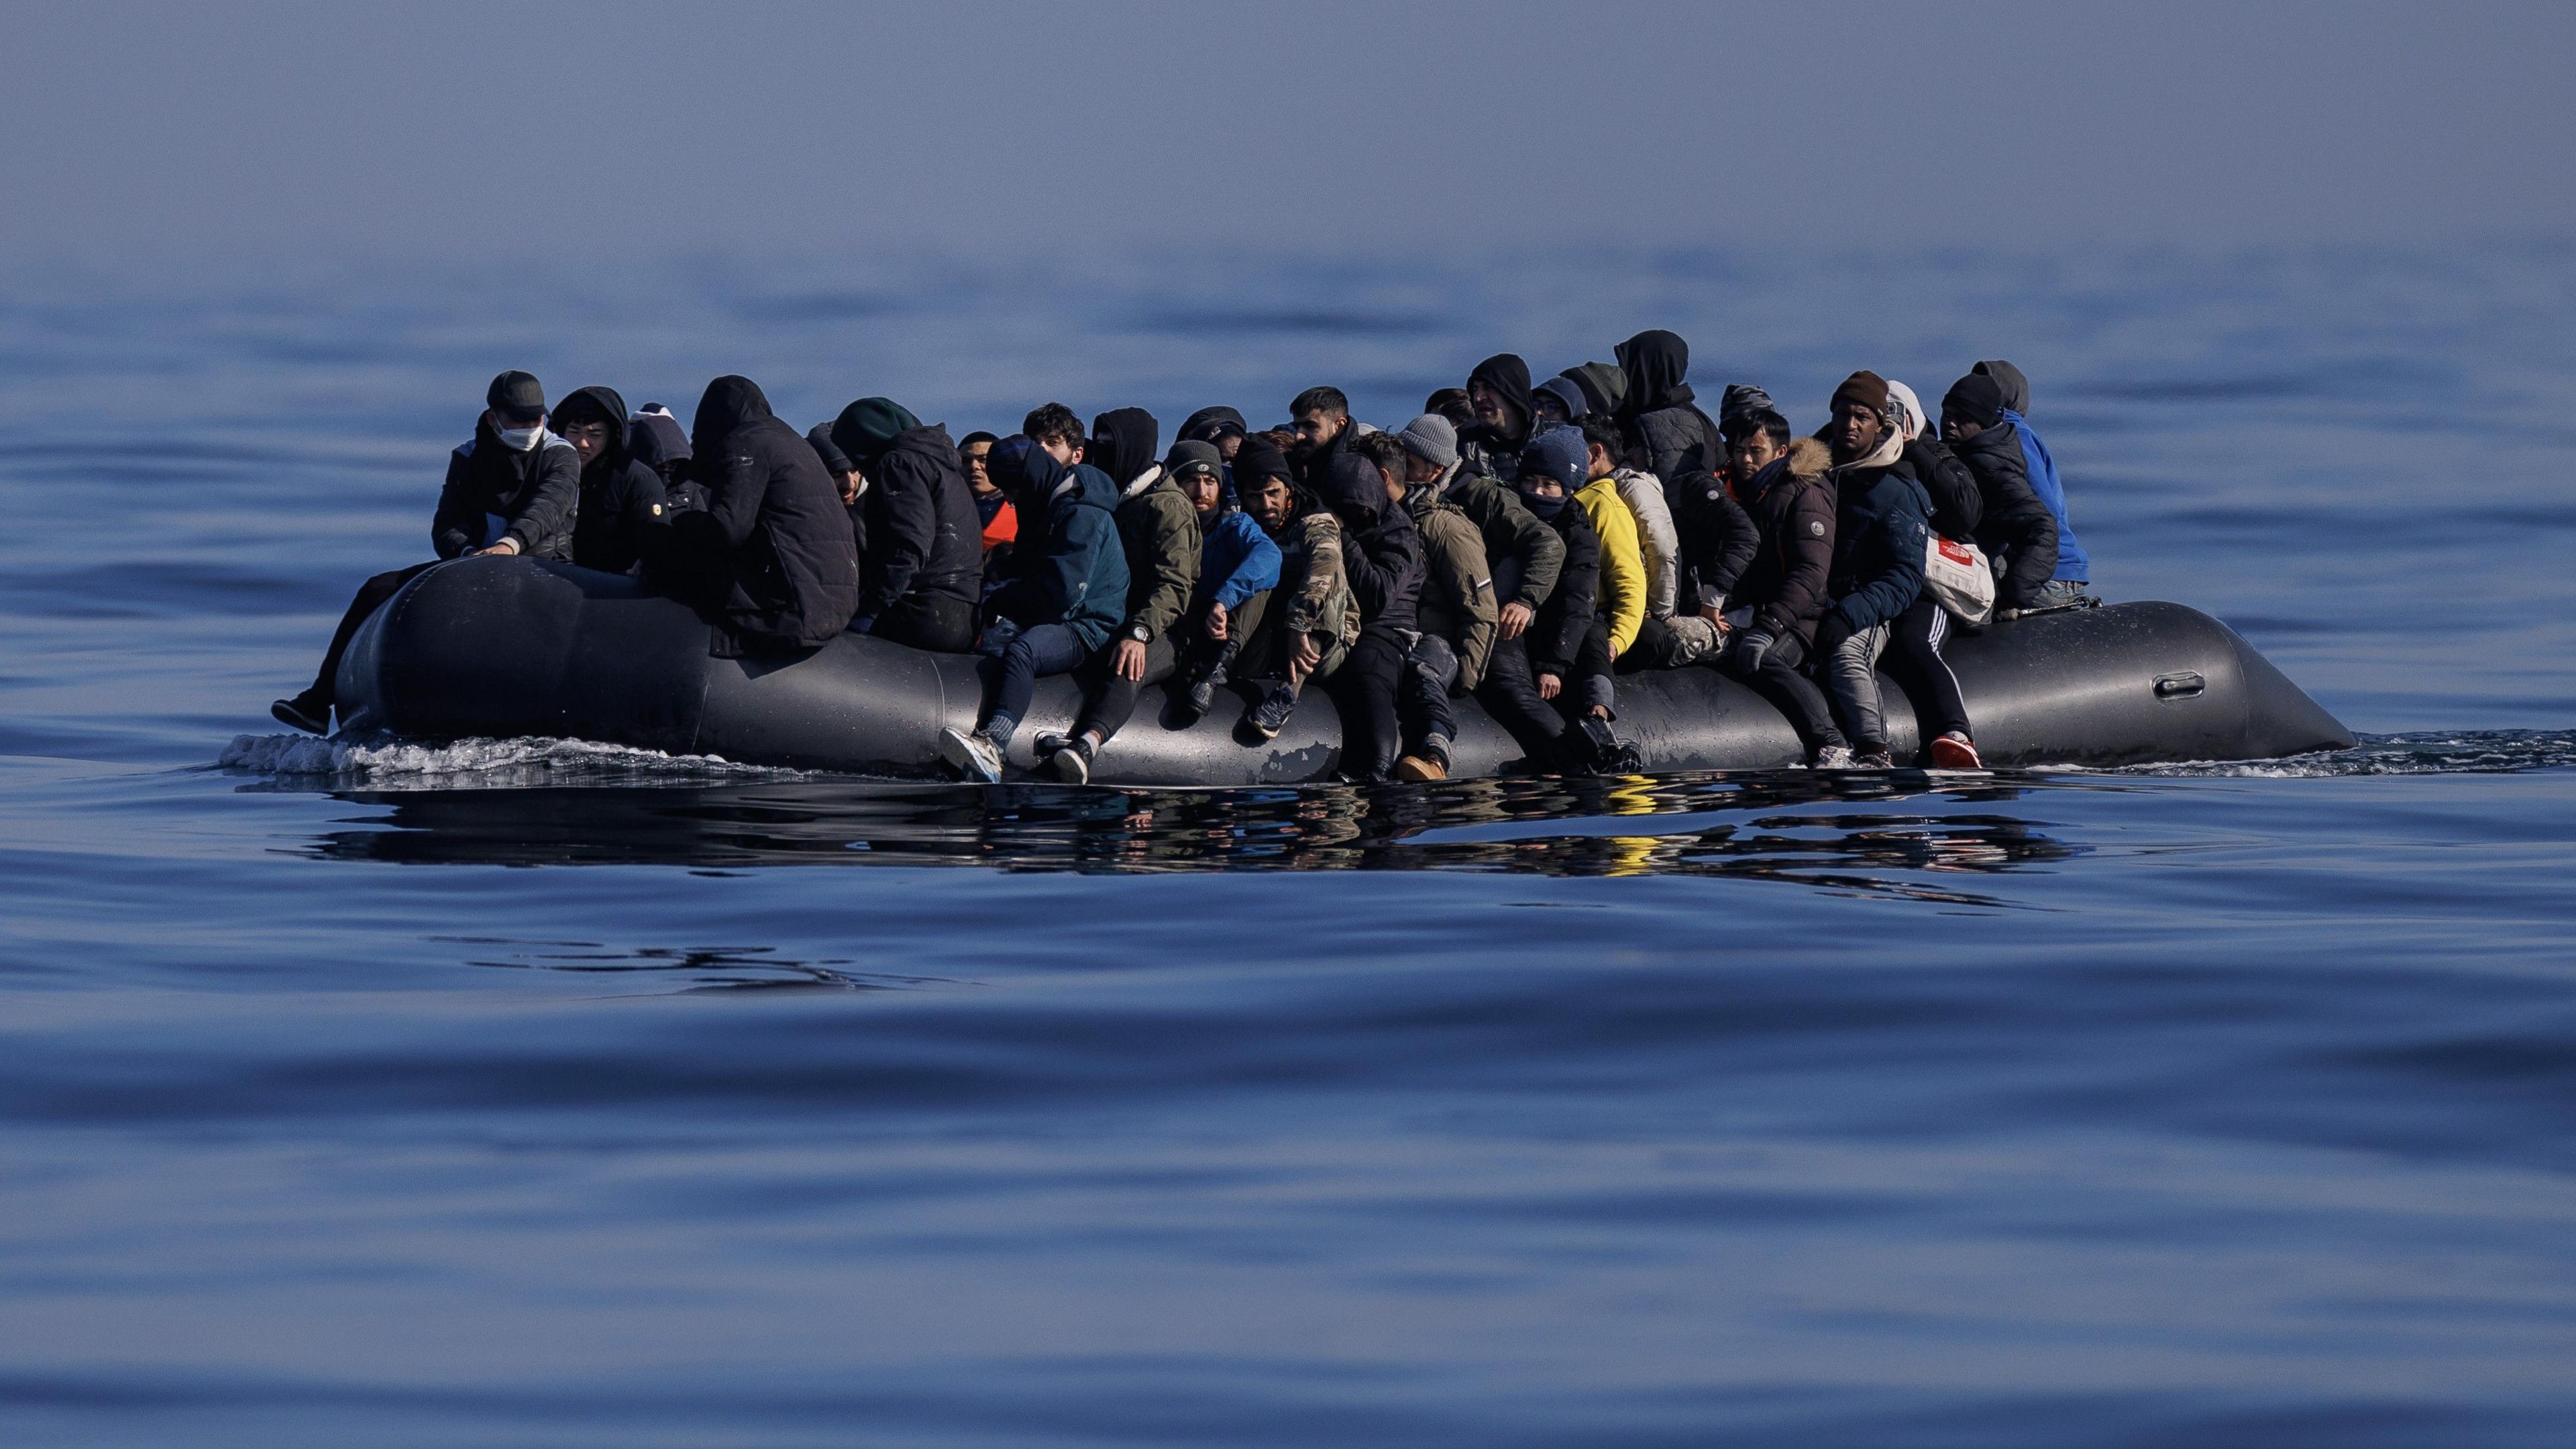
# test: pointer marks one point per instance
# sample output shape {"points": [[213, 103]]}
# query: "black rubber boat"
{"points": [[514, 647]]}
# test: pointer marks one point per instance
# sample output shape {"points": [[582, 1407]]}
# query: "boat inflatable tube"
{"points": [[498, 646]]}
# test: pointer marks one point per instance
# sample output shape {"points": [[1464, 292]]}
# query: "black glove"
{"points": [[1750, 646], [1831, 631]]}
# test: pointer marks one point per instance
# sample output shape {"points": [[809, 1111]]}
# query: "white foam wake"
{"points": [[384, 762]]}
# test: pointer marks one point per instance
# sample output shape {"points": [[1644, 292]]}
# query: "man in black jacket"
{"points": [[1569, 646], [620, 495], [1775, 606], [1879, 540], [922, 568], [1382, 556], [2016, 529], [511, 489], [1499, 391], [771, 561], [1321, 420]]}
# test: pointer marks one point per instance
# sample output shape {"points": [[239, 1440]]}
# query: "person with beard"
{"points": [[1526, 557], [1879, 536], [1499, 390], [1570, 646], [1238, 569], [1454, 613], [772, 561], [922, 571], [1313, 620], [1320, 420], [620, 496], [512, 488], [1774, 608], [1066, 589], [1382, 556], [1158, 527]]}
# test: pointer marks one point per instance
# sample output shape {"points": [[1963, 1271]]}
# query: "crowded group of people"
{"points": [[1524, 544]]}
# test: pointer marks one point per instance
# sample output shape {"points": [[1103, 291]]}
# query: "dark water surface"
{"points": [[548, 1094]]}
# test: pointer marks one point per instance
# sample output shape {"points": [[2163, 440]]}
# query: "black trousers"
{"points": [[1793, 693], [1920, 633], [1108, 701], [1510, 694], [371, 597], [936, 622], [1365, 687]]}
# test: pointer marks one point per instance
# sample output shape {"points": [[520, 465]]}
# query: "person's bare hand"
{"points": [[1305, 655], [1216, 623], [1715, 616], [1515, 619], [1549, 686], [506, 548], [1130, 662]]}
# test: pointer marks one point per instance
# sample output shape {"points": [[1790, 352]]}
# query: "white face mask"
{"points": [[521, 439]]}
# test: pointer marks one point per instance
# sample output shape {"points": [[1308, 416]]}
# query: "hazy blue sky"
{"points": [[142, 133]]}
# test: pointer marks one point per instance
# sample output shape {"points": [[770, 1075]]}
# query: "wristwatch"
{"points": [[1142, 633]]}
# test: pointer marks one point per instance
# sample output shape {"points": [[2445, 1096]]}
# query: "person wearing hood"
{"points": [[1880, 532], [1313, 621], [1603, 385], [1158, 528], [1664, 636], [923, 569], [657, 441], [1382, 555], [1238, 568], [1225, 428], [853, 486], [1526, 557], [621, 497], [1499, 390], [512, 488], [1558, 402], [2066, 584], [1773, 612], [1066, 591], [2016, 529], [772, 561], [1660, 413], [1570, 646], [1454, 613], [1957, 511]]}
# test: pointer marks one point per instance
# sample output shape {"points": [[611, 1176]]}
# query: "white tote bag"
{"points": [[1958, 579]]}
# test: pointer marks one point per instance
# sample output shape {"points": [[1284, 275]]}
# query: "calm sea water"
{"points": [[534, 1093]]}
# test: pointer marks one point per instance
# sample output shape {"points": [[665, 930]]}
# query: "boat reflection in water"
{"points": [[1904, 835]]}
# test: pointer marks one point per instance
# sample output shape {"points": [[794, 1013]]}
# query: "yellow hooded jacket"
{"points": [[1623, 562]]}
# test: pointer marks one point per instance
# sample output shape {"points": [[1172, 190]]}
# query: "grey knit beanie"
{"points": [[1432, 438]]}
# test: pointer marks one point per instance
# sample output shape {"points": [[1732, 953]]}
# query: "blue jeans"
{"points": [[2061, 594], [1032, 655]]}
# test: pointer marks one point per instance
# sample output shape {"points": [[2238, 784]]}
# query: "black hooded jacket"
{"points": [[1208, 424], [1123, 445], [772, 558], [1556, 638], [2016, 526], [621, 495], [1381, 552], [1958, 506], [1496, 452], [534, 494], [1661, 412], [925, 537], [2010, 382]]}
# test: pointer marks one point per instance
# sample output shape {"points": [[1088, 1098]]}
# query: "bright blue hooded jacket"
{"points": [[1071, 569], [1236, 561], [2072, 562]]}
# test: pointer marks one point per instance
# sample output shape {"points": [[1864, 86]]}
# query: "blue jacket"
{"points": [[1071, 569], [1236, 561], [1880, 530], [2072, 562]]}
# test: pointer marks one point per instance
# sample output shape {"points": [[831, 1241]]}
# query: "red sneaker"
{"points": [[1955, 751]]}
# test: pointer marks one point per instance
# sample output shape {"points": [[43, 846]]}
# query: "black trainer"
{"points": [[307, 712], [1270, 716]]}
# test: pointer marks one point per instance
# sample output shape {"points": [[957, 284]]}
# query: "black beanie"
{"points": [[1260, 458], [1975, 398], [515, 392]]}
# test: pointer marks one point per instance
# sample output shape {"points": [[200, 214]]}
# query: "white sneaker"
{"points": [[972, 755], [1832, 757]]}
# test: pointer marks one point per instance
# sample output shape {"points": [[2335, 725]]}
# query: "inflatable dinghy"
{"points": [[508, 646]]}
